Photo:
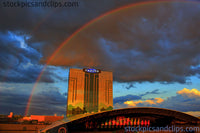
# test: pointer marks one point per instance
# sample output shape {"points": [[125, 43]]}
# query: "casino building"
{"points": [[89, 91]]}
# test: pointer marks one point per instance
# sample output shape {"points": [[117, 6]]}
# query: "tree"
{"points": [[109, 108]]}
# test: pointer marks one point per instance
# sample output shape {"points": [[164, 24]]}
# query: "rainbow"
{"points": [[84, 27]]}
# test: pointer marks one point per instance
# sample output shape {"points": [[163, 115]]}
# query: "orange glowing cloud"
{"points": [[189, 93], [159, 100], [151, 102]]}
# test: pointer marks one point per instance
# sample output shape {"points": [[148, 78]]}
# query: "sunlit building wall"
{"points": [[89, 90]]}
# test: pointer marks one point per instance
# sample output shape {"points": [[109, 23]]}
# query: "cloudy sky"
{"points": [[152, 48]]}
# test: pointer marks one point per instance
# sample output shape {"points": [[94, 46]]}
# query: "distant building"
{"points": [[89, 90], [43, 118], [10, 115], [9, 119]]}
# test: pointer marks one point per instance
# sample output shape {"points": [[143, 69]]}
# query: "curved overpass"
{"points": [[147, 116]]}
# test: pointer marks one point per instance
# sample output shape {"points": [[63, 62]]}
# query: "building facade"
{"points": [[89, 90]]}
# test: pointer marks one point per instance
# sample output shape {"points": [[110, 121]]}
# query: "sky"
{"points": [[152, 48]]}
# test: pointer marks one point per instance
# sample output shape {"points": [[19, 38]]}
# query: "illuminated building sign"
{"points": [[90, 70]]}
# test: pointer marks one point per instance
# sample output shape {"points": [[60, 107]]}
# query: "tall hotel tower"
{"points": [[89, 90]]}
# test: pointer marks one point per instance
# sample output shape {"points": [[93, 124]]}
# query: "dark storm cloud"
{"points": [[130, 86], [181, 103], [20, 63], [156, 91], [11, 102], [53, 25], [46, 101], [158, 42], [50, 102], [122, 99], [45, 29]]}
